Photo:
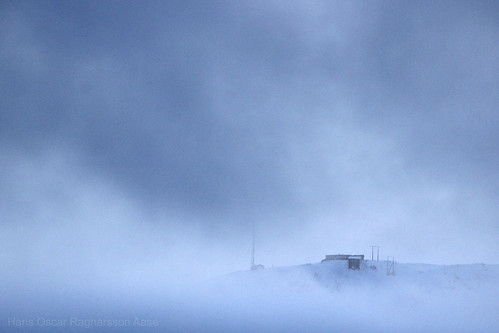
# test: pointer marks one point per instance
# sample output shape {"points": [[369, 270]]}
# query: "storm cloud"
{"points": [[332, 125]]}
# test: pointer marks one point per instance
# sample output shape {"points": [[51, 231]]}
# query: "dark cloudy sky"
{"points": [[332, 125]]}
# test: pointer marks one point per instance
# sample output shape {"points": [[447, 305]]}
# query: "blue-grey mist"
{"points": [[141, 142]]}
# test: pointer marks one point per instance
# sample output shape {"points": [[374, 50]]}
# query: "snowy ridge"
{"points": [[321, 297], [335, 276], [329, 297]]}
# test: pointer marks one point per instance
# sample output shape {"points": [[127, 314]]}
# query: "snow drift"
{"points": [[329, 297], [307, 298]]}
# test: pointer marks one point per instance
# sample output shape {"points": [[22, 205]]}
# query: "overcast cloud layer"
{"points": [[164, 130]]}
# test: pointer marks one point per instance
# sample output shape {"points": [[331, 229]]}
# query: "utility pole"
{"points": [[377, 252]]}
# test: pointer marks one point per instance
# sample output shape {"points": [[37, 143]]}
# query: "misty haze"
{"points": [[249, 166]]}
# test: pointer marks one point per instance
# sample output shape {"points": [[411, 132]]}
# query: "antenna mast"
{"points": [[253, 247]]}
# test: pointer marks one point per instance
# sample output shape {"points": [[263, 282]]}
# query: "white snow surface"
{"points": [[328, 297], [320, 297]]}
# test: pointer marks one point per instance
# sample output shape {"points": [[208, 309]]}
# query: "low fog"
{"points": [[141, 143]]}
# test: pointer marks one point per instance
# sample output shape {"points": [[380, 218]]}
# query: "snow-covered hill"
{"points": [[321, 297], [329, 297]]}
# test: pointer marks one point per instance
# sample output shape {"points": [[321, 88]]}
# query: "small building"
{"points": [[354, 260], [336, 257]]}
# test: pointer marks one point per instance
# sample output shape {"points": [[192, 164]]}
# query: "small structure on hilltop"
{"points": [[354, 260], [336, 257]]}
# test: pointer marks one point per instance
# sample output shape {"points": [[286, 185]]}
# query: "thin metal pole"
{"points": [[377, 252], [253, 247]]}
